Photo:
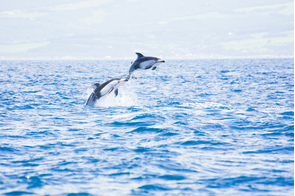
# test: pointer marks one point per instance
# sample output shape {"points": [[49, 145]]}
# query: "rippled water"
{"points": [[191, 127]]}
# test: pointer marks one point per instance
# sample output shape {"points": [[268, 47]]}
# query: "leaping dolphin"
{"points": [[104, 89], [144, 62]]}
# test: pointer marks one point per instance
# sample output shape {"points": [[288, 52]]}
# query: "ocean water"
{"points": [[191, 127]]}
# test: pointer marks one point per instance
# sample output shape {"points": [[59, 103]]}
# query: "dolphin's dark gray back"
{"points": [[142, 58]]}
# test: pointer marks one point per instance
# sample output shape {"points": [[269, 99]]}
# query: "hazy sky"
{"points": [[90, 29]]}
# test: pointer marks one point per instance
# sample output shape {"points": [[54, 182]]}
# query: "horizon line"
{"points": [[168, 57]]}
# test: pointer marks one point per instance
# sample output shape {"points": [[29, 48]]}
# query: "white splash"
{"points": [[126, 97]]}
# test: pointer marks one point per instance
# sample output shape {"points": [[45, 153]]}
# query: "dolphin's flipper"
{"points": [[154, 68], [116, 92]]}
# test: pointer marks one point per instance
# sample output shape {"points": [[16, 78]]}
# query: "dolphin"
{"points": [[143, 63], [102, 90]]}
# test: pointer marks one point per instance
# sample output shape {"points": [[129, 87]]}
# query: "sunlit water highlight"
{"points": [[191, 127]]}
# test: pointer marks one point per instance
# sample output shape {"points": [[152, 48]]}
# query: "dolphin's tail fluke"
{"points": [[130, 76]]}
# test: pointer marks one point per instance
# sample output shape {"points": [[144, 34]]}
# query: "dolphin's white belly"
{"points": [[108, 87], [147, 64], [113, 85]]}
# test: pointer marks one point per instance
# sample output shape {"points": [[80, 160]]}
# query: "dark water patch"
{"points": [[210, 148], [224, 78], [57, 144], [81, 150], [142, 149], [153, 187], [98, 134], [145, 176], [64, 163], [272, 134], [276, 170], [253, 189], [111, 149], [180, 115], [30, 91], [224, 108], [247, 125], [22, 107], [178, 104], [38, 133], [201, 142], [73, 129], [194, 142], [33, 181], [47, 146], [120, 174], [176, 167], [67, 144], [288, 113], [212, 127], [224, 71], [17, 193], [277, 150], [144, 130], [181, 123], [29, 162], [199, 133], [286, 130], [116, 135], [93, 160], [144, 116], [231, 182], [66, 170], [172, 177], [236, 90], [130, 124], [251, 109], [79, 194], [204, 94], [7, 149], [54, 153], [279, 181], [290, 134], [169, 134], [280, 92]]}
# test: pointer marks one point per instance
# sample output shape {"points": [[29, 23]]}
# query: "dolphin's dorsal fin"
{"points": [[139, 55], [95, 85]]}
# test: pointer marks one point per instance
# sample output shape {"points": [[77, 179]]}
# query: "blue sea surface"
{"points": [[190, 127]]}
